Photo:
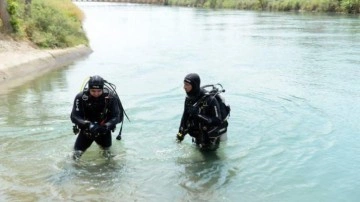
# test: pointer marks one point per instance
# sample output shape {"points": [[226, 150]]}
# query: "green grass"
{"points": [[48, 23]]}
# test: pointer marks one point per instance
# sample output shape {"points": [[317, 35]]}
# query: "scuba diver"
{"points": [[201, 118], [95, 113]]}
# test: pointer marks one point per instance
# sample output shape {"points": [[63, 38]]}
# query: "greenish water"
{"points": [[291, 80]]}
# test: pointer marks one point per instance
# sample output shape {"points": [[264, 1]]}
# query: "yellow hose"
{"points": [[86, 80]]}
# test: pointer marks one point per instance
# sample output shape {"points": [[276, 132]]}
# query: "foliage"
{"points": [[351, 6], [15, 11], [49, 23], [55, 25], [345, 6]]}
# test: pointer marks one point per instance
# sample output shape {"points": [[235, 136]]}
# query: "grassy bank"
{"points": [[342, 6], [47, 23]]}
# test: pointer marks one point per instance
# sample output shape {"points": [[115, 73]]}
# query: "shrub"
{"points": [[351, 6], [47, 23], [55, 24]]}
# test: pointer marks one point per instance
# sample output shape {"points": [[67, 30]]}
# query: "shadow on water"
{"points": [[47, 82], [92, 170], [33, 99], [203, 174]]}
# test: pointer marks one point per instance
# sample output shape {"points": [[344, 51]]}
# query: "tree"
{"points": [[5, 17]]}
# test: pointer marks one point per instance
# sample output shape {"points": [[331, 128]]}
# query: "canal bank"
{"points": [[20, 62]]}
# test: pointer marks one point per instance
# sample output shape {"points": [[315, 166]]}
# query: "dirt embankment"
{"points": [[20, 61]]}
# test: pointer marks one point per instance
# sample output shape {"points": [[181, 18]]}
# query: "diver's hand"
{"points": [[93, 128], [180, 137]]}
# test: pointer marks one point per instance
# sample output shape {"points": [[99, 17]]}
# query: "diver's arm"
{"points": [[185, 116], [115, 114], [77, 113]]}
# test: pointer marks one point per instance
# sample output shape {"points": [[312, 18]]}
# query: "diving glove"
{"points": [[94, 127], [180, 137]]}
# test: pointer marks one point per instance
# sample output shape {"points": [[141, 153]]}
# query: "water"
{"points": [[291, 80]]}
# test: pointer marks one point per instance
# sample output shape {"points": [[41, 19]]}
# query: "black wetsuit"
{"points": [[103, 110], [203, 126]]}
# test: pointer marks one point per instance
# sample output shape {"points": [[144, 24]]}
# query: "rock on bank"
{"points": [[20, 62]]}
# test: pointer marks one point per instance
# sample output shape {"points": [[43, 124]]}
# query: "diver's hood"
{"points": [[194, 80]]}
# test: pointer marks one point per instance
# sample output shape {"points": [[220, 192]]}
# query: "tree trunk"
{"points": [[5, 17]]}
